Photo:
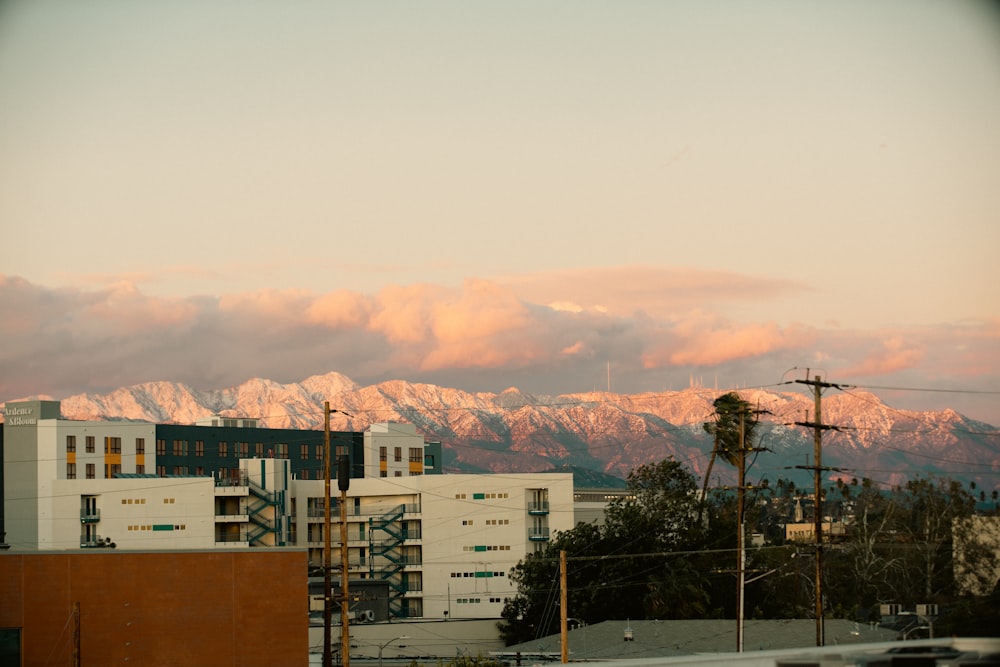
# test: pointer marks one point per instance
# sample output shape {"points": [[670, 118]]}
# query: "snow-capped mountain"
{"points": [[606, 432]]}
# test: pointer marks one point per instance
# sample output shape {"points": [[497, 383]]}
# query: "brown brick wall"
{"points": [[239, 608]]}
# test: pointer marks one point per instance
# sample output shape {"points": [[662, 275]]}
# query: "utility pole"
{"points": [[818, 427], [327, 530], [343, 483], [563, 610], [741, 552], [740, 536]]}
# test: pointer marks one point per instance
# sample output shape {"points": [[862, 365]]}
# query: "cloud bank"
{"points": [[483, 335]]}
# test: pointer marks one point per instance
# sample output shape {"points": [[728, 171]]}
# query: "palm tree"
{"points": [[732, 428]]}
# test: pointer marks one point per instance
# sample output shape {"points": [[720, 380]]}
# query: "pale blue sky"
{"points": [[739, 186]]}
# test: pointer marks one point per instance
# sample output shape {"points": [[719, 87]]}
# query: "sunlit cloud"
{"points": [[59, 341], [894, 355], [660, 291]]}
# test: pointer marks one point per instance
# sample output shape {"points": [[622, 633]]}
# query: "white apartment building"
{"points": [[445, 544]]}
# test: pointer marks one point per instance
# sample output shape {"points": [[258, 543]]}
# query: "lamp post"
{"points": [[342, 482], [382, 646]]}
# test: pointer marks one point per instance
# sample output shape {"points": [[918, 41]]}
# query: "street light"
{"points": [[382, 646]]}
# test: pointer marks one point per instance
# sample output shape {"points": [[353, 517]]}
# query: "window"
{"points": [[399, 473], [91, 471], [161, 447], [223, 449], [303, 452], [111, 469], [200, 471], [319, 452], [70, 444], [383, 473], [416, 455], [259, 449], [140, 469], [90, 444], [304, 474], [70, 471], [112, 445], [161, 471], [397, 454], [180, 447], [383, 453], [199, 447], [244, 449], [140, 446], [282, 451]]}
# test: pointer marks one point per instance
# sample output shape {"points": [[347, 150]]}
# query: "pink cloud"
{"points": [[129, 310], [60, 341], [340, 309], [660, 291], [894, 355], [702, 339]]}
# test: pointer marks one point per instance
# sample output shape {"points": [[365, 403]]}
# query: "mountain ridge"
{"points": [[516, 431]]}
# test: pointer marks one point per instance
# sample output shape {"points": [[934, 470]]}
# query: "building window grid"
{"points": [[161, 447], [70, 444], [199, 447], [91, 470], [397, 454], [70, 471], [140, 446], [416, 455], [223, 449], [304, 452], [112, 445], [91, 444], [383, 453]]}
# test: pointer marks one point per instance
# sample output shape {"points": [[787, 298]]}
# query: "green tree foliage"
{"points": [[619, 569], [654, 558], [732, 428]]}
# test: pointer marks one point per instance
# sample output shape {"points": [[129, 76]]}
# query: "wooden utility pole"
{"points": [[343, 481], [740, 535], [327, 530], [818, 427], [563, 608]]}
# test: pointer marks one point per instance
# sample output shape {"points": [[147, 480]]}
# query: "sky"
{"points": [[560, 196]]}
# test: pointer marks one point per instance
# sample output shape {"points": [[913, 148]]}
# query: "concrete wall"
{"points": [[235, 608]]}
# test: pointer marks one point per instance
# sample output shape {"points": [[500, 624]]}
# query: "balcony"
{"points": [[538, 507], [96, 542], [538, 534], [92, 515]]}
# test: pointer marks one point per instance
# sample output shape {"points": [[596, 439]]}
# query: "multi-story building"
{"points": [[444, 544]]}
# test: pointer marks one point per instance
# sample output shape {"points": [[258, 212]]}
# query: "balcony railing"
{"points": [[90, 515], [96, 542], [538, 534], [538, 507]]}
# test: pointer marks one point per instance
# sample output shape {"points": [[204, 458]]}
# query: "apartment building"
{"points": [[444, 544]]}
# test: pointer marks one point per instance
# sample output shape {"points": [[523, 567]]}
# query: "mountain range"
{"points": [[600, 435]]}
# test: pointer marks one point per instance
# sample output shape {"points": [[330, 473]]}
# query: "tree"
{"points": [[732, 428], [643, 562]]}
